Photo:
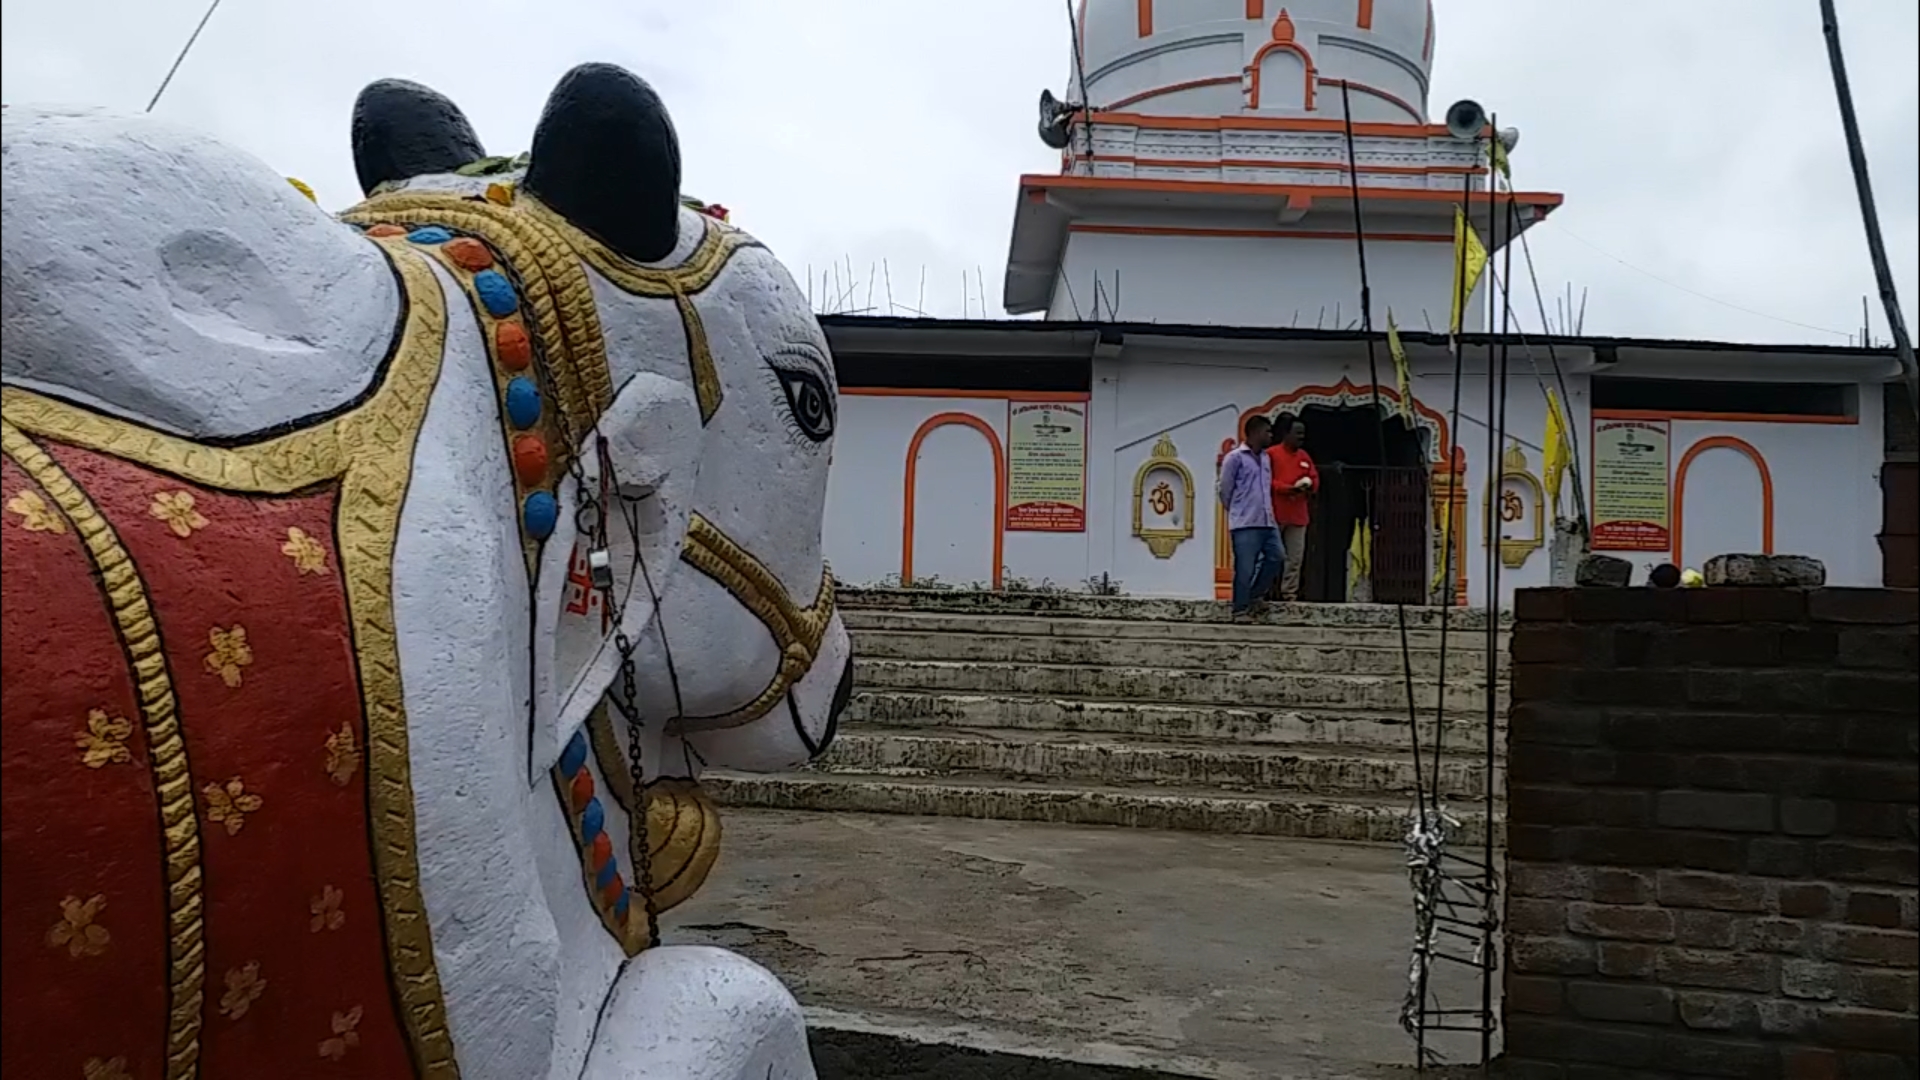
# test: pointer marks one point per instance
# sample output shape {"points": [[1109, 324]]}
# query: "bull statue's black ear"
{"points": [[402, 130], [606, 158]]}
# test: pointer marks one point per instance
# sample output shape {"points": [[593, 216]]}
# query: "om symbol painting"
{"points": [[1522, 509], [1163, 500]]}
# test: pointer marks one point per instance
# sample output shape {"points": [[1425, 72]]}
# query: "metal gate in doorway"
{"points": [[1393, 501]]}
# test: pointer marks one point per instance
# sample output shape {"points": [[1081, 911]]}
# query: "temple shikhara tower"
{"points": [[1207, 180]]}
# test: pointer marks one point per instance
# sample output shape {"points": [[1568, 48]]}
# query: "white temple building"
{"points": [[1195, 262]]}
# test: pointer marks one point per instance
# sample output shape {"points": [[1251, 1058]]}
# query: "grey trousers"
{"points": [[1293, 542]]}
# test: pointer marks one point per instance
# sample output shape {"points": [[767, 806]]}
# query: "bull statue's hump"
{"points": [[162, 276], [380, 587]]}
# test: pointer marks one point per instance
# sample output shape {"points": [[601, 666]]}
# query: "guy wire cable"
{"points": [[181, 58], [1497, 431], [1080, 74], [1566, 401], [1427, 851], [1380, 431], [1421, 802]]}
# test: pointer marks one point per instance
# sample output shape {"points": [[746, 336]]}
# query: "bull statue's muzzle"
{"points": [[797, 632]]}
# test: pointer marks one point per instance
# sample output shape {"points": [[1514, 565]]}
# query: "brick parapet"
{"points": [[1713, 838]]}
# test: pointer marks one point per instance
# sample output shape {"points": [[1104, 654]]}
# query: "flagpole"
{"points": [[1870, 217]]}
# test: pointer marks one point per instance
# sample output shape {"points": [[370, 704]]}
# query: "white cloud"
{"points": [[1695, 140]]}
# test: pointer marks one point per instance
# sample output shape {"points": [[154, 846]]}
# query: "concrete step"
{"points": [[1237, 724], [1088, 606], [1319, 817], [1465, 661], [1110, 760], [1462, 642], [1384, 693]]}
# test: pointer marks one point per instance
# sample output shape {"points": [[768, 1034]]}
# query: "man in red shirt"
{"points": [[1295, 480]]}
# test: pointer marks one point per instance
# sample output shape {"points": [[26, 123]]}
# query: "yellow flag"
{"points": [[1445, 525], [1469, 259], [1359, 557], [1402, 377], [1556, 452], [1498, 152]]}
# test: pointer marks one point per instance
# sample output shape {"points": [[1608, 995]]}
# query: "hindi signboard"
{"points": [[1046, 466], [1631, 492]]}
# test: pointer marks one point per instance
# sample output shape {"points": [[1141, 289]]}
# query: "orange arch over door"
{"points": [[1728, 442], [1449, 488], [932, 424]]}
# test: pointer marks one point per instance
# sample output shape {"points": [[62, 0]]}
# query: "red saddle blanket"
{"points": [[190, 883]]}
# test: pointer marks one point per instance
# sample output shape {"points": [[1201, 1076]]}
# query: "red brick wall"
{"points": [[1712, 834]]}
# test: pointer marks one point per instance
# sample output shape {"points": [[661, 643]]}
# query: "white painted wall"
{"points": [[1262, 280], [1826, 490], [1198, 399], [1825, 476], [954, 519]]}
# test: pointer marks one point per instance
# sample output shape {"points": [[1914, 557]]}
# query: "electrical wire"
{"points": [[1570, 234]]}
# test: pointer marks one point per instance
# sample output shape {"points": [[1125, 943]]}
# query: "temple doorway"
{"points": [[1357, 485]]}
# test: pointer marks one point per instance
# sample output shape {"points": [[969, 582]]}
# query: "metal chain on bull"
{"points": [[591, 518]]}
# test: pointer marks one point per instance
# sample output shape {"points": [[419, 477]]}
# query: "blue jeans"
{"points": [[1257, 563]]}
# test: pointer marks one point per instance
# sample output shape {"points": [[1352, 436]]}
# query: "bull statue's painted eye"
{"points": [[809, 402]]}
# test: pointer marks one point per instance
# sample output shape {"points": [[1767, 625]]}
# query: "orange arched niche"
{"points": [[1447, 462], [932, 424], [1728, 442], [1283, 39]]}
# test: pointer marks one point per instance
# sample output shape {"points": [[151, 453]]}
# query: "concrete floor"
{"points": [[1216, 956]]}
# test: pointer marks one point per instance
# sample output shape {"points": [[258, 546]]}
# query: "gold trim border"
{"points": [[797, 631], [1163, 542], [683, 840], [370, 451], [551, 284], [139, 635]]}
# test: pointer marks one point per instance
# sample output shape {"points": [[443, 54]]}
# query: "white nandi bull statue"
{"points": [[363, 575]]}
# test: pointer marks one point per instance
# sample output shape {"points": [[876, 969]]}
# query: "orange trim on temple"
{"points": [[1346, 389], [1392, 99], [1282, 40], [1256, 9], [1265, 123], [1727, 442], [1280, 163], [989, 395], [930, 425], [1255, 234], [1724, 417], [1146, 18], [1160, 91], [1037, 181], [1365, 19]]}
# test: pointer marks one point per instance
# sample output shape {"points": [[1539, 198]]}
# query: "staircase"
{"points": [[1154, 713]]}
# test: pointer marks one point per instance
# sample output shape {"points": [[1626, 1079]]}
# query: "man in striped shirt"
{"points": [[1246, 491]]}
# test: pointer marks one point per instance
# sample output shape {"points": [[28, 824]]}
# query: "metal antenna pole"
{"points": [[1876, 244], [184, 50]]}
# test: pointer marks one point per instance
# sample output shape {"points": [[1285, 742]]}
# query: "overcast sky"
{"points": [[1697, 141]]}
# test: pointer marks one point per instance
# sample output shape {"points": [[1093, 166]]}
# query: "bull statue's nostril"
{"points": [[842, 696]]}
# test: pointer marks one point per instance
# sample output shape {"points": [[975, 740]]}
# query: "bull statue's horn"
{"points": [[605, 157], [402, 130]]}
